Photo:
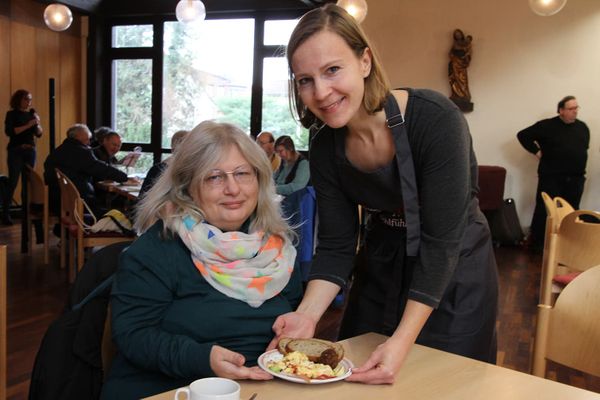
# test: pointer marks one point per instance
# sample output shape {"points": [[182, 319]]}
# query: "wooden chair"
{"points": [[556, 209], [38, 208], [569, 332], [3, 330], [72, 214], [574, 247], [562, 207], [109, 349]]}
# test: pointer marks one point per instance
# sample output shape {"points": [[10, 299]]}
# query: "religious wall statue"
{"points": [[460, 58]]}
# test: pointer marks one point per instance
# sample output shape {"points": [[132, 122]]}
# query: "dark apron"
{"points": [[464, 322]]}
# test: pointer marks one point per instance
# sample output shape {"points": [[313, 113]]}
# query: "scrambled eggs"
{"points": [[297, 363]]}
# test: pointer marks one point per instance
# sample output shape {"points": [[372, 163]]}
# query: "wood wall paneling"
{"points": [[68, 86], [47, 66], [4, 86], [31, 55], [22, 66]]}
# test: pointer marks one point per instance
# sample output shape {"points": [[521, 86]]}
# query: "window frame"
{"points": [[155, 53]]}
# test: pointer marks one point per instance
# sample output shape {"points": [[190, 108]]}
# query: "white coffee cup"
{"points": [[211, 389]]}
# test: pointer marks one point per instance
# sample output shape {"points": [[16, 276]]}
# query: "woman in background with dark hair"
{"points": [[293, 174], [21, 125]]}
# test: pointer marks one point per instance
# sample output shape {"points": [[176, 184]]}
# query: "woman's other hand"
{"points": [[229, 364], [293, 324], [383, 364], [387, 359]]}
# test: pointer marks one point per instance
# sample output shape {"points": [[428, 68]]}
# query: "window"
{"points": [[132, 36], [207, 74], [278, 32], [132, 107], [276, 115], [168, 76]]}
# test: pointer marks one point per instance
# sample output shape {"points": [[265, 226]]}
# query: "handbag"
{"points": [[112, 221]]}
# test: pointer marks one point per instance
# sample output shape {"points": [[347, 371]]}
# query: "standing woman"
{"points": [[428, 273], [21, 125]]}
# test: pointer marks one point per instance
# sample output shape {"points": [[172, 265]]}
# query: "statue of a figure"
{"points": [[460, 58]]}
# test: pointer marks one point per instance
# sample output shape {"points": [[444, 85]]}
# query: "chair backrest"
{"points": [[578, 245], [569, 332], [3, 310], [38, 191], [551, 217], [70, 200], [563, 208], [574, 247]]}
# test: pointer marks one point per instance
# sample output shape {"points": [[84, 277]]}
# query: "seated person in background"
{"points": [[197, 293], [75, 158], [265, 140], [108, 148], [99, 135], [294, 173], [157, 169]]}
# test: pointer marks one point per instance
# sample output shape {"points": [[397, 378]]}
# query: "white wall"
{"points": [[522, 65]]}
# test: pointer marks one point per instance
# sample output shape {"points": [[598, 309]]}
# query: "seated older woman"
{"points": [[197, 293]]}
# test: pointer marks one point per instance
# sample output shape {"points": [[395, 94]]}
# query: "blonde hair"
{"points": [[171, 197], [335, 19]]}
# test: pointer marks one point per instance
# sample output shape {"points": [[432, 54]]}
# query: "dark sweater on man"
{"points": [[564, 146], [78, 163]]}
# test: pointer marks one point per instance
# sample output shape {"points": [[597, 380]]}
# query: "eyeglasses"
{"points": [[242, 175]]}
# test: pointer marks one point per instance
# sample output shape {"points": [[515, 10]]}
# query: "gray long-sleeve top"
{"points": [[446, 174]]}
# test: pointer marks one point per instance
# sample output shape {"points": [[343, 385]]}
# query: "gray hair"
{"points": [[75, 129], [200, 150]]}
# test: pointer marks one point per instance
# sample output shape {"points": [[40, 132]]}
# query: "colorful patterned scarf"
{"points": [[251, 267]]}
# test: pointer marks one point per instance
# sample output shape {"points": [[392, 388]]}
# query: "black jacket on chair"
{"points": [[68, 364]]}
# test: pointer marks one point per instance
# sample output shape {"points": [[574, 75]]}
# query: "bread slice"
{"points": [[317, 350]]}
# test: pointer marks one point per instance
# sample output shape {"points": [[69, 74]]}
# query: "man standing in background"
{"points": [[561, 144]]}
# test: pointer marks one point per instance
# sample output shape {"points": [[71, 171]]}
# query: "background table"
{"points": [[130, 192], [427, 374]]}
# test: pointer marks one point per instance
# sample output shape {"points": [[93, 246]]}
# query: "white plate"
{"points": [[275, 355]]}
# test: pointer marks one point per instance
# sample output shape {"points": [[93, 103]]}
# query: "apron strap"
{"points": [[408, 181]]}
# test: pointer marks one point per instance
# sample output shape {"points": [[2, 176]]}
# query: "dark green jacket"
{"points": [[166, 318]]}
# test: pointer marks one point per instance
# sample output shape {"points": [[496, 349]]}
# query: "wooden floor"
{"points": [[37, 293]]}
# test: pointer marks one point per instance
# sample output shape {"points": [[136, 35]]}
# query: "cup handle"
{"points": [[182, 390]]}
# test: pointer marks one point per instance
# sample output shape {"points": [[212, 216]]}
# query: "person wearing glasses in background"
{"points": [[197, 293], [108, 148], [266, 141], [22, 126], [561, 145]]}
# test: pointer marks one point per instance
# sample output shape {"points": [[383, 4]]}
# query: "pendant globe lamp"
{"points": [[190, 10], [356, 8], [58, 17], [545, 8]]}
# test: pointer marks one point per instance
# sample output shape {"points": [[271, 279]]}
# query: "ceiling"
{"points": [[111, 8]]}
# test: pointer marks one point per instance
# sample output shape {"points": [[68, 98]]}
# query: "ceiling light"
{"points": [[58, 17], [190, 10], [546, 8], [356, 8]]}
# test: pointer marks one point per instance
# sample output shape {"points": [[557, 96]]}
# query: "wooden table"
{"points": [[130, 192], [427, 374]]}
